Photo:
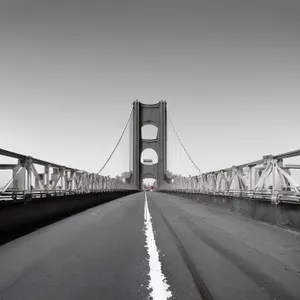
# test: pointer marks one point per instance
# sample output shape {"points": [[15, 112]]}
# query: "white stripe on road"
{"points": [[158, 286]]}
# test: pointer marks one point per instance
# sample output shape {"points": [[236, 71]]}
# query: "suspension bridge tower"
{"points": [[153, 114]]}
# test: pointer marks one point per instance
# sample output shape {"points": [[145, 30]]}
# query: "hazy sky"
{"points": [[70, 70]]}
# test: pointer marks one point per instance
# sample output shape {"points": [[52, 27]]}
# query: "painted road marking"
{"points": [[158, 286]]}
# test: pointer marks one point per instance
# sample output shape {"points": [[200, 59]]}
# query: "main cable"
{"points": [[181, 143], [116, 144]]}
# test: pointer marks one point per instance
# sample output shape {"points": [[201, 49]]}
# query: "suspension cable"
{"points": [[116, 144], [181, 143]]}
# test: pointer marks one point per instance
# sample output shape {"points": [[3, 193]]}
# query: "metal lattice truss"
{"points": [[55, 180], [267, 179]]}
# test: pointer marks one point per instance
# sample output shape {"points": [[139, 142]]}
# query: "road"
{"points": [[152, 245]]}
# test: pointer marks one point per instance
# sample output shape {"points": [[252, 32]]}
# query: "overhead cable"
{"points": [[116, 144], [181, 143]]}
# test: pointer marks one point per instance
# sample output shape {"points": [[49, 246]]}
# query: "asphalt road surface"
{"points": [[164, 247]]}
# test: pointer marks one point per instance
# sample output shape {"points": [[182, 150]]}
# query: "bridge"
{"points": [[225, 234]]}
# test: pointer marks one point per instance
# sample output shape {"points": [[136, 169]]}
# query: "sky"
{"points": [[229, 71]]}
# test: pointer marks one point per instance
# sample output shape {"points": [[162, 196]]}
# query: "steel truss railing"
{"points": [[268, 178], [56, 180]]}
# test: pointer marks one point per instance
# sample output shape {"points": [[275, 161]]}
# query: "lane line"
{"points": [[158, 286]]}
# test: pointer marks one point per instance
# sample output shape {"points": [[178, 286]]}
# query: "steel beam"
{"points": [[7, 166]]}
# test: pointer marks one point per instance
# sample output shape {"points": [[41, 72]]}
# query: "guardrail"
{"points": [[56, 180], [268, 179]]}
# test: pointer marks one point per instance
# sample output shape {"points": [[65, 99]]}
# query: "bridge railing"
{"points": [[268, 178], [34, 178]]}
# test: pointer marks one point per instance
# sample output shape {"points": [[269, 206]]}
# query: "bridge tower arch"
{"points": [[154, 114]]}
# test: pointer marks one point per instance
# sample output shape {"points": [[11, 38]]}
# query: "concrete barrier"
{"points": [[283, 214], [19, 218]]}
